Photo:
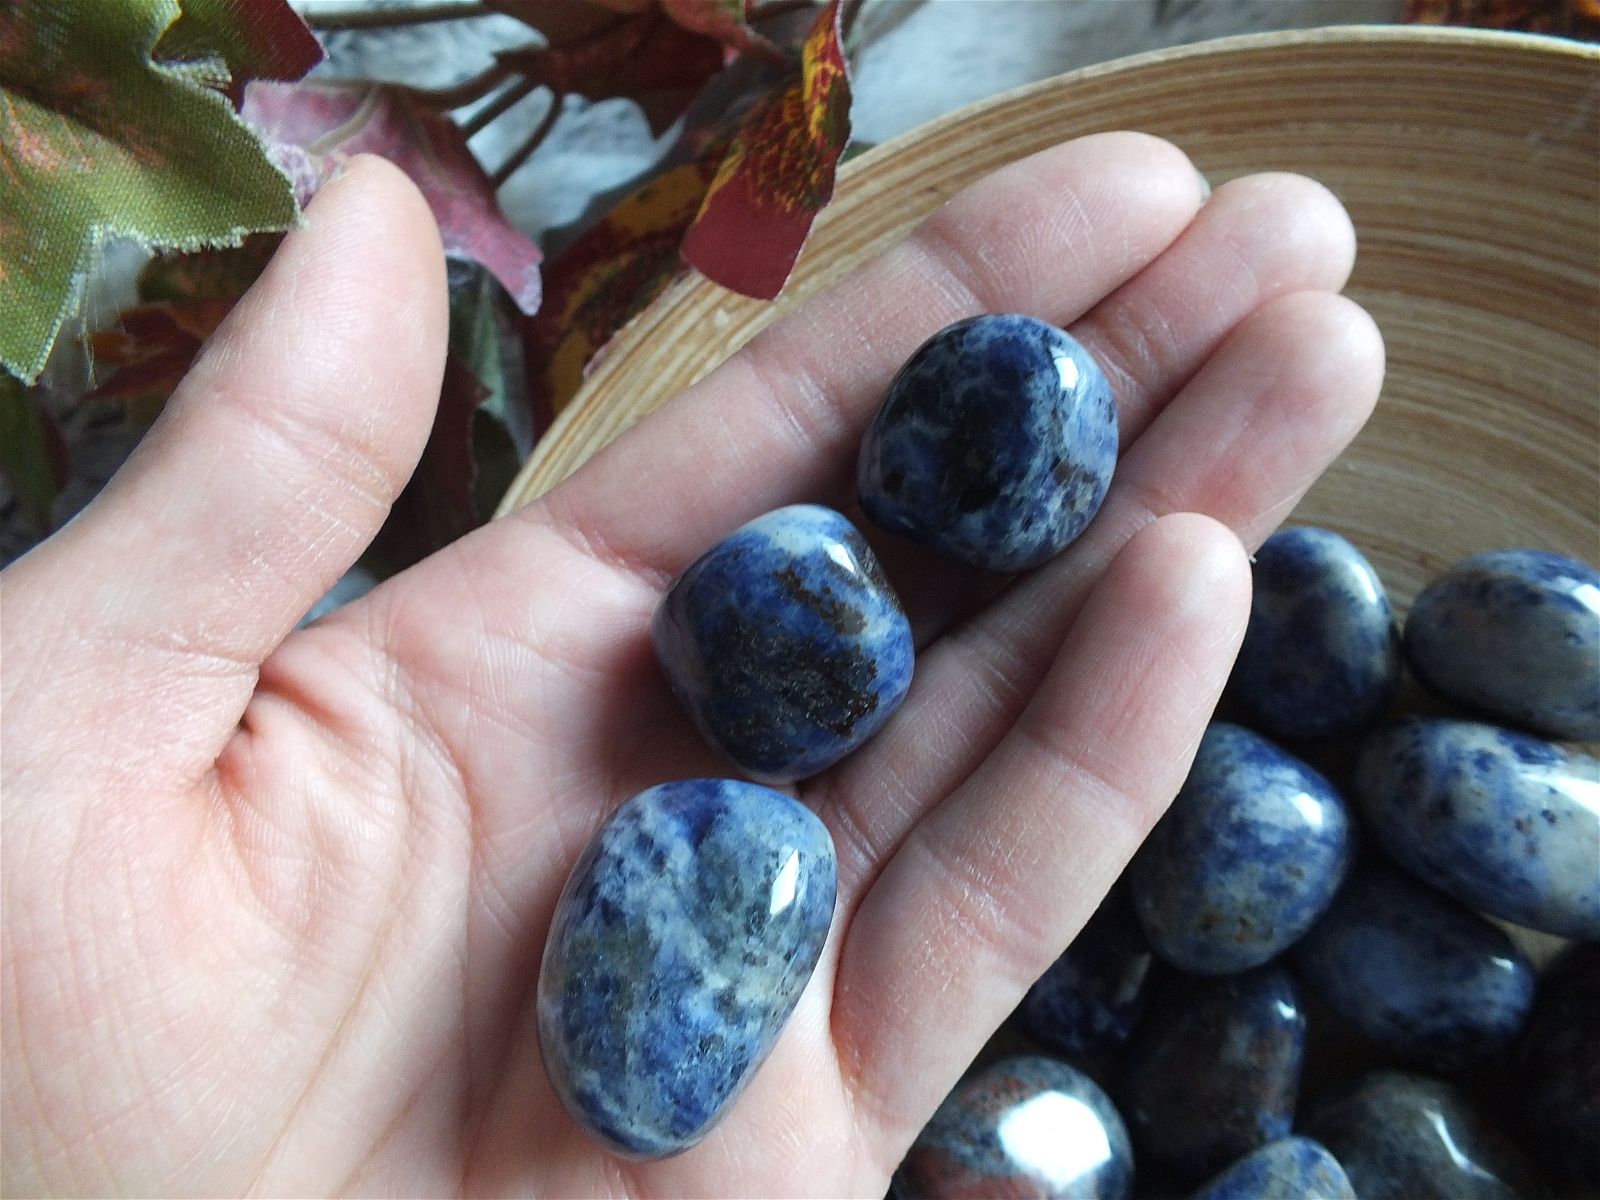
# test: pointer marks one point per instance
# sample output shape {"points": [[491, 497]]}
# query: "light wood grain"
{"points": [[1470, 162]]}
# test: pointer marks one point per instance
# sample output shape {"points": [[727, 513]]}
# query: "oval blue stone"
{"points": [[1321, 655], [1248, 856], [786, 643], [1025, 1127], [1089, 999], [1214, 1070], [679, 947], [1409, 1137], [1502, 821], [1295, 1168], [995, 444], [1424, 977], [1514, 634]]}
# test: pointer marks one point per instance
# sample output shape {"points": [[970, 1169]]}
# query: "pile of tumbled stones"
{"points": [[692, 922]]}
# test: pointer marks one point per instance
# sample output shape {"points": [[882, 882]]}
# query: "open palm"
{"points": [[274, 902]]}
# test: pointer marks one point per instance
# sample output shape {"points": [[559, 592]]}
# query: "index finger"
{"points": [[1048, 235]]}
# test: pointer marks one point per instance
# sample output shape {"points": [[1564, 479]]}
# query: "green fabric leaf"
{"points": [[32, 453], [97, 139]]}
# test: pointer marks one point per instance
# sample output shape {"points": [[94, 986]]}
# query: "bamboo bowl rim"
{"points": [[597, 413]]}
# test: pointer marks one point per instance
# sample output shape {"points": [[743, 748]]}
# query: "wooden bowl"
{"points": [[1470, 162]]}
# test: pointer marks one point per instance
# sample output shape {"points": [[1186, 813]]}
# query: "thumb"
{"points": [[272, 467]]}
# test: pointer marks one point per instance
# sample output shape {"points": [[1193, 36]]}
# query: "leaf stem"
{"points": [[512, 96], [778, 8], [531, 143], [465, 92], [847, 21], [366, 18]]}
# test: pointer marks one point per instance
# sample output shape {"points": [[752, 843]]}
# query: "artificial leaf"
{"points": [[208, 274], [314, 128], [604, 278], [480, 434], [33, 454], [778, 174], [254, 39], [645, 58], [725, 20], [184, 298], [1569, 18], [151, 349], [97, 139]]}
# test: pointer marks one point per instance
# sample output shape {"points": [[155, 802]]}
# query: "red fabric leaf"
{"points": [[314, 128], [645, 58], [604, 278], [1570, 18], [257, 39], [778, 174], [152, 347]]}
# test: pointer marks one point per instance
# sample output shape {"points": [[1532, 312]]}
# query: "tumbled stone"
{"points": [[1321, 654], [1248, 856], [1089, 999], [1214, 1070], [995, 444], [786, 643], [1424, 977], [1295, 1168], [1409, 1137], [1028, 1128], [1555, 1070], [1502, 821], [1514, 634], [679, 947]]}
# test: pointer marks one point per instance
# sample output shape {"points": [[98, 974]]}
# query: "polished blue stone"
{"points": [[786, 643], [1248, 856], [1409, 1137], [1424, 977], [1024, 1127], [995, 444], [1089, 999], [1555, 1071], [679, 947], [1514, 634], [1321, 655], [1504, 822], [1295, 1168], [1214, 1070]]}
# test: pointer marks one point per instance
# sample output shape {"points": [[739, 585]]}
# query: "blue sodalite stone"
{"points": [[679, 947], [1321, 655], [1424, 977], [1408, 1137], [995, 444], [1214, 1070], [1248, 856], [1516, 635], [1089, 999], [1026, 1127], [786, 643], [1503, 822], [1555, 1070], [1295, 1168]]}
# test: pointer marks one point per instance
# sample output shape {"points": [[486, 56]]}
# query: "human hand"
{"points": [[274, 901]]}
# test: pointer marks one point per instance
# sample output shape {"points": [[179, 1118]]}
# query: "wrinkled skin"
{"points": [[274, 901]]}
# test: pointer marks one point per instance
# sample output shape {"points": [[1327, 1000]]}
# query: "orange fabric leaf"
{"points": [[778, 173]]}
